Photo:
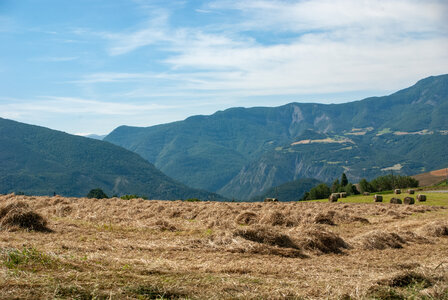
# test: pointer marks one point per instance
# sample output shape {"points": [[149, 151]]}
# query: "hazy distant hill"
{"points": [[241, 152], [38, 160], [96, 136]]}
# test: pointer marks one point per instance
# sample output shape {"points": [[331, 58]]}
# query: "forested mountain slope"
{"points": [[241, 152], [41, 161]]}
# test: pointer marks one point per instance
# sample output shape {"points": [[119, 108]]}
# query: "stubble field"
{"points": [[140, 249]]}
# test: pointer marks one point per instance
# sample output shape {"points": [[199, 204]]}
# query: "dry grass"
{"points": [[379, 239], [435, 229], [138, 249], [17, 214]]}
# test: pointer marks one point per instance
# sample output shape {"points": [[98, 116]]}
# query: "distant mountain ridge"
{"points": [[241, 152], [41, 161]]}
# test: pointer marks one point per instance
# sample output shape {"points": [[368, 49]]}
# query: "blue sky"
{"points": [[88, 66]]}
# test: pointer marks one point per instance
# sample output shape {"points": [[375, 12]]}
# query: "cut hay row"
{"points": [[18, 215], [211, 214]]}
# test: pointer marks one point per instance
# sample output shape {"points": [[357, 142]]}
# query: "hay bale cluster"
{"points": [[18, 214]]}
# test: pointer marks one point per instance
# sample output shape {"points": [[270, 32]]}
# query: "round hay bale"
{"points": [[421, 198], [410, 191], [397, 191], [366, 194], [408, 200], [343, 195], [395, 201], [333, 198], [378, 198], [19, 215]]}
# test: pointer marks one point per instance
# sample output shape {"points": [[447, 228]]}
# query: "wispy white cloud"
{"points": [[71, 105], [332, 46], [55, 59], [152, 32], [113, 77], [297, 16]]}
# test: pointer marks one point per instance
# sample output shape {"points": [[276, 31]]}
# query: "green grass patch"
{"points": [[438, 199], [15, 258]]}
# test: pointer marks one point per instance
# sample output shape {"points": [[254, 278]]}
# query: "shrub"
{"points": [[319, 192], [192, 200], [97, 193], [390, 182]]}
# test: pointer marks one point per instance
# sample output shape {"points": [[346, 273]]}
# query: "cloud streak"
{"points": [[332, 46]]}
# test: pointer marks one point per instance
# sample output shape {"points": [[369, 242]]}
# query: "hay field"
{"points": [[82, 248]]}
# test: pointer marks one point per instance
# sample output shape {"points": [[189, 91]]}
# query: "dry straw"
{"points": [[18, 214]]}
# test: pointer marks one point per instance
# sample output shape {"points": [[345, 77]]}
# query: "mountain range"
{"points": [[40, 161], [242, 152]]}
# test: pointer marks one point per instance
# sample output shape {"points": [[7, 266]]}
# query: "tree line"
{"points": [[382, 183]]}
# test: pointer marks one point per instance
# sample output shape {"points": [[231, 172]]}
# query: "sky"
{"points": [[89, 66]]}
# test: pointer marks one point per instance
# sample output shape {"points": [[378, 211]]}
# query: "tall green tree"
{"points": [[336, 186], [344, 180], [365, 186]]}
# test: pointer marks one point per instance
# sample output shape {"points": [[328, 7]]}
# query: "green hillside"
{"points": [[289, 191], [40, 161], [240, 151]]}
